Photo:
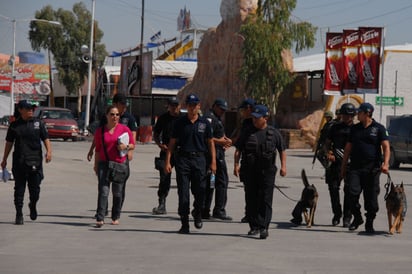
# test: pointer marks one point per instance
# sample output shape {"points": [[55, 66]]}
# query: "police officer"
{"points": [[26, 133], [320, 151], [161, 134], [257, 148], [192, 138], [246, 109], [367, 140], [221, 179], [336, 139]]}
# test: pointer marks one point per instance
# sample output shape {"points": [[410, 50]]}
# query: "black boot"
{"points": [[263, 233], [197, 218], [369, 226], [335, 220], [185, 225], [357, 221], [346, 221], [161, 209], [19, 217], [33, 211], [357, 216]]}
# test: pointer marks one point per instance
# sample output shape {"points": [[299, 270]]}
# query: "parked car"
{"points": [[60, 122], [400, 138]]}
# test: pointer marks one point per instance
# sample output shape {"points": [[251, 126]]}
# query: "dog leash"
{"points": [[387, 186], [284, 194]]}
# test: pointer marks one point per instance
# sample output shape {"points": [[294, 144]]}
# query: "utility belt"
{"points": [[365, 164], [191, 154], [264, 161]]}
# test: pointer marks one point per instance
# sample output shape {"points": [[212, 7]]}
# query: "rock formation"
{"points": [[220, 57], [219, 60]]}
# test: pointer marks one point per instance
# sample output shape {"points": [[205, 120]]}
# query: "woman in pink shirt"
{"points": [[111, 132]]}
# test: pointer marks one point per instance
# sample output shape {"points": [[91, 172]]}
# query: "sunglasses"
{"points": [[114, 114]]}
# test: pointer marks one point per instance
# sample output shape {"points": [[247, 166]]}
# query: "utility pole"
{"points": [[89, 86], [141, 51]]}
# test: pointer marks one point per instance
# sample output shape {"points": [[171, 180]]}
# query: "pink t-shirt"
{"points": [[110, 141]]}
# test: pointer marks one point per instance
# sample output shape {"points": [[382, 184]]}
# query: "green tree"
{"points": [[65, 42], [268, 34]]}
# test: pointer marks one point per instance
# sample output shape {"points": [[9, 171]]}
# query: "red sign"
{"points": [[31, 80], [350, 48], [369, 60], [333, 64]]}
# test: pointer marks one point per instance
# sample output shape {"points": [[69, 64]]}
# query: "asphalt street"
{"points": [[63, 239]]}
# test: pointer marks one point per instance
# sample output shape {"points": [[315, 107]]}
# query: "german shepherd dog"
{"points": [[308, 200], [396, 207]]}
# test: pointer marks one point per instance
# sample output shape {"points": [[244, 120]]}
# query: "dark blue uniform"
{"points": [[128, 120], [364, 170], [163, 128], [257, 171], [190, 162], [338, 135], [27, 158], [247, 126], [221, 176]]}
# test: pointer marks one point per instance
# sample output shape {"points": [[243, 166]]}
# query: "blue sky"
{"points": [[120, 19]]}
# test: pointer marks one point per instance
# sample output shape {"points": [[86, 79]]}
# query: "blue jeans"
{"points": [[103, 194]]}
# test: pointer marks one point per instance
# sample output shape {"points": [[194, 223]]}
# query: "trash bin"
{"points": [[145, 134]]}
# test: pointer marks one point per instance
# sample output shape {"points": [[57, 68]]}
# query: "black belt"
{"points": [[191, 153]]}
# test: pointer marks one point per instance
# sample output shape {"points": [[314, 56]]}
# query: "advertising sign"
{"points": [[369, 60], [31, 80], [351, 43], [333, 64]]}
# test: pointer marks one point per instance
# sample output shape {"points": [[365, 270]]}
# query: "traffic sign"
{"points": [[389, 101]]}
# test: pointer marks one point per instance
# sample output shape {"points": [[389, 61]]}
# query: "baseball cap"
{"points": [[120, 99], [247, 102], [220, 102], [260, 111], [173, 101], [328, 114], [25, 104], [192, 99], [366, 107]]}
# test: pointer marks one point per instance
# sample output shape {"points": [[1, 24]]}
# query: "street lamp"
{"points": [[13, 56], [89, 86]]}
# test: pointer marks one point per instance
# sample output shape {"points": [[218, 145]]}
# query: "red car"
{"points": [[60, 122]]}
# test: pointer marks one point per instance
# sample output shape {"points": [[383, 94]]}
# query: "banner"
{"points": [[136, 75], [333, 64], [30, 79], [351, 43], [369, 60]]}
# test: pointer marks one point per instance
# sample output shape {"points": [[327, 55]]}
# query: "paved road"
{"points": [[63, 238]]}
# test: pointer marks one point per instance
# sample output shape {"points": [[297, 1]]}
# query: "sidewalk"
{"points": [[63, 238]]}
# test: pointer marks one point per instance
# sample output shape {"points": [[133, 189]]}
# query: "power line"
{"points": [[372, 17], [324, 5]]}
